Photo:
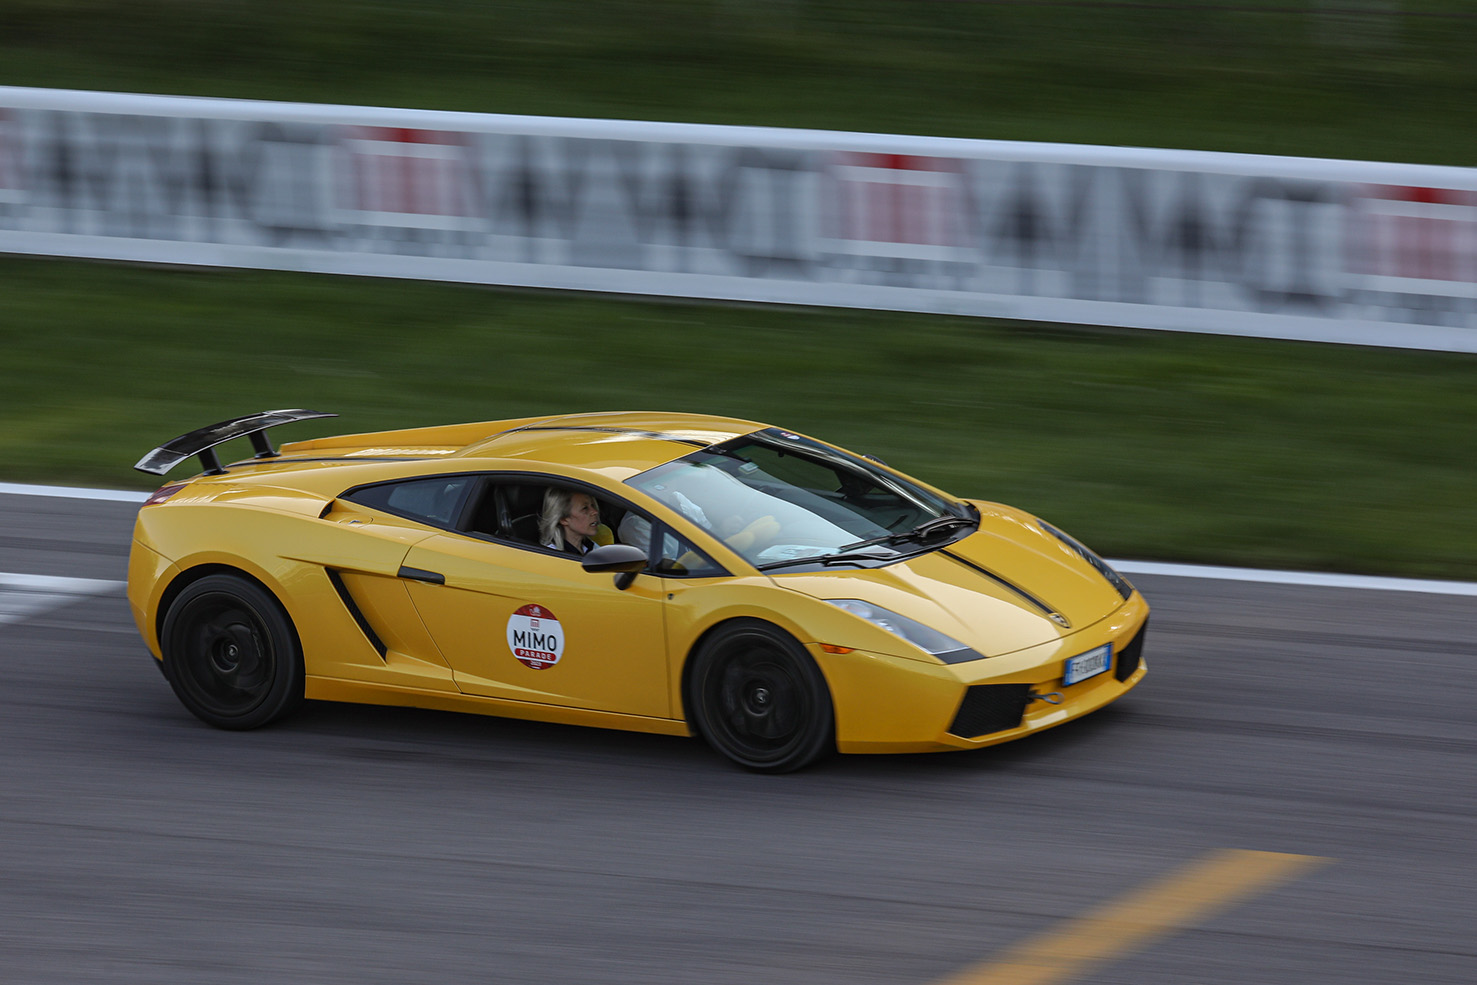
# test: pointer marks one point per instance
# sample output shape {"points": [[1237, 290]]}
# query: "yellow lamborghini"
{"points": [[674, 573]]}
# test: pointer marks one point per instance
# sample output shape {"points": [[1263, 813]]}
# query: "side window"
{"points": [[436, 500], [679, 559], [508, 510]]}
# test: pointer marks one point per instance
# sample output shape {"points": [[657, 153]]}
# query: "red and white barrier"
{"points": [[1294, 248]]}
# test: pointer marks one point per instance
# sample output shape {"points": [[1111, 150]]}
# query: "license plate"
{"points": [[1088, 664]]}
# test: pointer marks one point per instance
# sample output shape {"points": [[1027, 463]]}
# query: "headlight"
{"points": [[1081, 550], [946, 648]]}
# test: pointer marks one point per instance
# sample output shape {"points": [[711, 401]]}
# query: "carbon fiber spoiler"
{"points": [[202, 442]]}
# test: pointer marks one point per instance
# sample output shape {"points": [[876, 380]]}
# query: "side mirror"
{"points": [[614, 557]]}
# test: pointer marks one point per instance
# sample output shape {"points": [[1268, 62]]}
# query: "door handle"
{"points": [[420, 574]]}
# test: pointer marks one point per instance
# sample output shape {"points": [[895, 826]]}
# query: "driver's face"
{"points": [[583, 518]]}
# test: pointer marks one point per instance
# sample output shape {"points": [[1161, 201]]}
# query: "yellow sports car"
{"points": [[670, 573]]}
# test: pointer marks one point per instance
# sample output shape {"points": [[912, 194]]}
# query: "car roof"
{"points": [[617, 444]]}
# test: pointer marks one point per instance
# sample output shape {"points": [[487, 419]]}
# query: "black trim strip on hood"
{"points": [[1053, 614]]}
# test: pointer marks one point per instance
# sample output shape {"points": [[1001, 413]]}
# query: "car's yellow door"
{"points": [[529, 626]]}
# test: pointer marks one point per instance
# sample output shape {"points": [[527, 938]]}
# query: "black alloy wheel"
{"points": [[757, 697], [231, 654]]}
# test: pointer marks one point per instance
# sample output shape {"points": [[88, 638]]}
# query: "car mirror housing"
{"points": [[614, 557]]}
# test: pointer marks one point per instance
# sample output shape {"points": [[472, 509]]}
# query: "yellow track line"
{"points": [[1131, 922]]}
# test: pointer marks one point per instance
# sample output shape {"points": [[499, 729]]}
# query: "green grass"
{"points": [[1146, 444], [1277, 76]]}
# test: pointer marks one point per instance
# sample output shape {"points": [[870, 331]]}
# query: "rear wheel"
{"points": [[230, 653], [757, 697]]}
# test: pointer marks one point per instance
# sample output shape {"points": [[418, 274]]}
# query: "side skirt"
{"points": [[367, 693]]}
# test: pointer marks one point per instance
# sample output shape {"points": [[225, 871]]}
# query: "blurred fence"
{"points": [[1333, 251]]}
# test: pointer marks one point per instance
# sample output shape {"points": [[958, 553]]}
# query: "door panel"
{"points": [[410, 655], [528, 626]]}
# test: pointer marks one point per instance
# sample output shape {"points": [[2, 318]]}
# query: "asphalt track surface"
{"points": [[364, 845]]}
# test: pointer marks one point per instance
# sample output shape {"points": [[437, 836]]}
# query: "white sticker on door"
{"points": [[535, 637]]}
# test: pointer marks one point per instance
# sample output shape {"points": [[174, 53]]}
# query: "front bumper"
{"points": [[887, 704]]}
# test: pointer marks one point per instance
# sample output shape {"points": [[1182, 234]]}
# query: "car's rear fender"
{"points": [[288, 555], [187, 577], [150, 575]]}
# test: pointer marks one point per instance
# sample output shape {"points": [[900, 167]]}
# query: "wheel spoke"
{"points": [[767, 727], [220, 624]]}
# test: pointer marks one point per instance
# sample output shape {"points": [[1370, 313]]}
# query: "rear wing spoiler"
{"points": [[202, 442]]}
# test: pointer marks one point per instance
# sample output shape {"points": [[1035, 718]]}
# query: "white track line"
{"points": [[1151, 568], [69, 492], [23, 596], [53, 584], [1315, 578]]}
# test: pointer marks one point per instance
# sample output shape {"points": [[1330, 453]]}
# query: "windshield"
{"points": [[777, 498]]}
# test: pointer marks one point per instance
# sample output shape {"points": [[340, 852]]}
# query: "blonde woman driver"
{"points": [[568, 521]]}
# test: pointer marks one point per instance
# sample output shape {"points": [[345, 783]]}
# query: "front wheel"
{"points": [[230, 653], [757, 697]]}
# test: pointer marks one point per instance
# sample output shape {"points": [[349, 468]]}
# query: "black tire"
{"points": [[757, 697], [231, 654]]}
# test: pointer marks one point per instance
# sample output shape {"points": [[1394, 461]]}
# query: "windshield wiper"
{"points": [[939, 524], [838, 558], [922, 531]]}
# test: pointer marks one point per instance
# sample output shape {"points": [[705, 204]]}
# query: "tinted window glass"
{"points": [[434, 500], [776, 497], [680, 559]]}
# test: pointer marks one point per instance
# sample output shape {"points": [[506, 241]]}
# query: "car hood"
{"points": [[1008, 586]]}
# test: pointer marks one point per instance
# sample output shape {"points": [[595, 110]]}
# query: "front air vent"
{"points": [[1128, 657], [990, 708]]}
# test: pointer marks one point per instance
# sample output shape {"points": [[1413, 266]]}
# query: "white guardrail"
{"points": [[1275, 247]]}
